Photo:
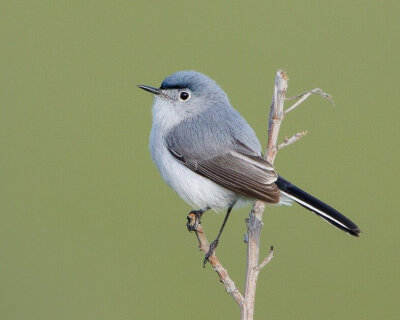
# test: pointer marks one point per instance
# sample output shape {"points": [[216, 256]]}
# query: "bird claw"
{"points": [[194, 220], [210, 252]]}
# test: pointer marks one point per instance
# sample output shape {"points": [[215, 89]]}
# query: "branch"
{"points": [[288, 141], [276, 114], [254, 222], [219, 269], [303, 96], [267, 259]]}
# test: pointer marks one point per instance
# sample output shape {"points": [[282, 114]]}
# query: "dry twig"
{"points": [[303, 96], [288, 141], [254, 222], [230, 286], [267, 259]]}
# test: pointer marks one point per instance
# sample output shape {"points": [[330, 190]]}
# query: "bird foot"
{"points": [[194, 220], [210, 251]]}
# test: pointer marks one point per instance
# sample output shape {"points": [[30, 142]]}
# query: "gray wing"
{"points": [[216, 150]]}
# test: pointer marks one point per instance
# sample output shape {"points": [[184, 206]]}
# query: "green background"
{"points": [[88, 229]]}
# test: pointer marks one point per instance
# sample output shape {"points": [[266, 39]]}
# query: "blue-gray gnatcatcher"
{"points": [[206, 151]]}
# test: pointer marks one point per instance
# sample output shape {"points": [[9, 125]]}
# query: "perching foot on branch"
{"points": [[210, 252], [194, 219]]}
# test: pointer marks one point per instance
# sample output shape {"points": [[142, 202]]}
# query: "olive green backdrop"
{"points": [[88, 229]]}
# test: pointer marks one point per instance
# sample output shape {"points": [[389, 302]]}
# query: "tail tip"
{"points": [[355, 232]]}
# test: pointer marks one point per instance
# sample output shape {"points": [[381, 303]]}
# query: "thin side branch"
{"points": [[288, 141], [267, 259], [303, 96]]}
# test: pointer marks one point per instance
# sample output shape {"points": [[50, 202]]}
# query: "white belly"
{"points": [[196, 190]]}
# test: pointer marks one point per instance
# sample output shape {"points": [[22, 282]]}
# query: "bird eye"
{"points": [[184, 95]]}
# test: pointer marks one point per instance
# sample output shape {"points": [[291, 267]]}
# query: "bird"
{"points": [[208, 153]]}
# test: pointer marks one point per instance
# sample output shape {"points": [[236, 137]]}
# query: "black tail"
{"points": [[317, 206]]}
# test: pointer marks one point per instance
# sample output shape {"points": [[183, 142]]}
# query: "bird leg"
{"points": [[214, 244]]}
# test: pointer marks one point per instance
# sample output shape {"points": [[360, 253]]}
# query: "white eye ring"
{"points": [[184, 96]]}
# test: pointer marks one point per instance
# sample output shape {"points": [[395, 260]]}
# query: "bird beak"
{"points": [[150, 89]]}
